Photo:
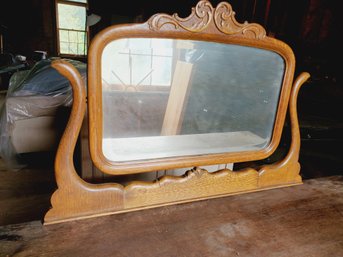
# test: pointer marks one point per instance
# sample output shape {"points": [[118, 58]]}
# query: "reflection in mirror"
{"points": [[169, 97]]}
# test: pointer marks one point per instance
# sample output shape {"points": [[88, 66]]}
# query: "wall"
{"points": [[30, 26]]}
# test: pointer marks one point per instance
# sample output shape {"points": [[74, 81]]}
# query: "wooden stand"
{"points": [[76, 199]]}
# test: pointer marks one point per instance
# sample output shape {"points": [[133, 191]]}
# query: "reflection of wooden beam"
{"points": [[177, 98]]}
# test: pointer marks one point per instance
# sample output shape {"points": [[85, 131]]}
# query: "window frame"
{"points": [[74, 3]]}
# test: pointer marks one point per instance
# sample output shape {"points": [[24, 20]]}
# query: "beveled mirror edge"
{"points": [[207, 28]]}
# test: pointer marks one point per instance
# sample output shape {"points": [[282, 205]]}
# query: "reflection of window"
{"points": [[71, 27], [138, 62]]}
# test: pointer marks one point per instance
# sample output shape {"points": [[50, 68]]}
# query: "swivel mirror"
{"points": [[173, 98], [175, 93]]}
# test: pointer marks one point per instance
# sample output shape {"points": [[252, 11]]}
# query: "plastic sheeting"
{"points": [[36, 92]]}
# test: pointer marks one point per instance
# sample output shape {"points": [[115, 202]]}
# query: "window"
{"points": [[138, 63], [71, 27]]}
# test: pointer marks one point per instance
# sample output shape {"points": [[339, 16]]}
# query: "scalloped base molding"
{"points": [[79, 202]]}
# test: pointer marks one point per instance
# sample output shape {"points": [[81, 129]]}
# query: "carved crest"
{"points": [[223, 17]]}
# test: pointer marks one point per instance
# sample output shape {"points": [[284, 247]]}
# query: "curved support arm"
{"points": [[75, 198], [64, 156], [287, 170], [293, 153]]}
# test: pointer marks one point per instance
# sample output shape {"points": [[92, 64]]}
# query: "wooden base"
{"points": [[195, 185], [77, 199]]}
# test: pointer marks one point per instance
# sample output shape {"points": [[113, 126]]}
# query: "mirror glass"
{"points": [[169, 97]]}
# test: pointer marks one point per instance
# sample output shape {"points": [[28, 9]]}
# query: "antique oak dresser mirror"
{"points": [[175, 93]]}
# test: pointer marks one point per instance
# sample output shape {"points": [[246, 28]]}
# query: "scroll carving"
{"points": [[223, 18], [200, 18]]}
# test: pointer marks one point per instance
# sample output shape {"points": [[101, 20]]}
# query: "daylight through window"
{"points": [[71, 27]]}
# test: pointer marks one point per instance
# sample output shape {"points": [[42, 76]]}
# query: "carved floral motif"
{"points": [[199, 19], [223, 17]]}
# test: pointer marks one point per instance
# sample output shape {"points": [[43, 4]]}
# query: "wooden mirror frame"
{"points": [[204, 24], [77, 199]]}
